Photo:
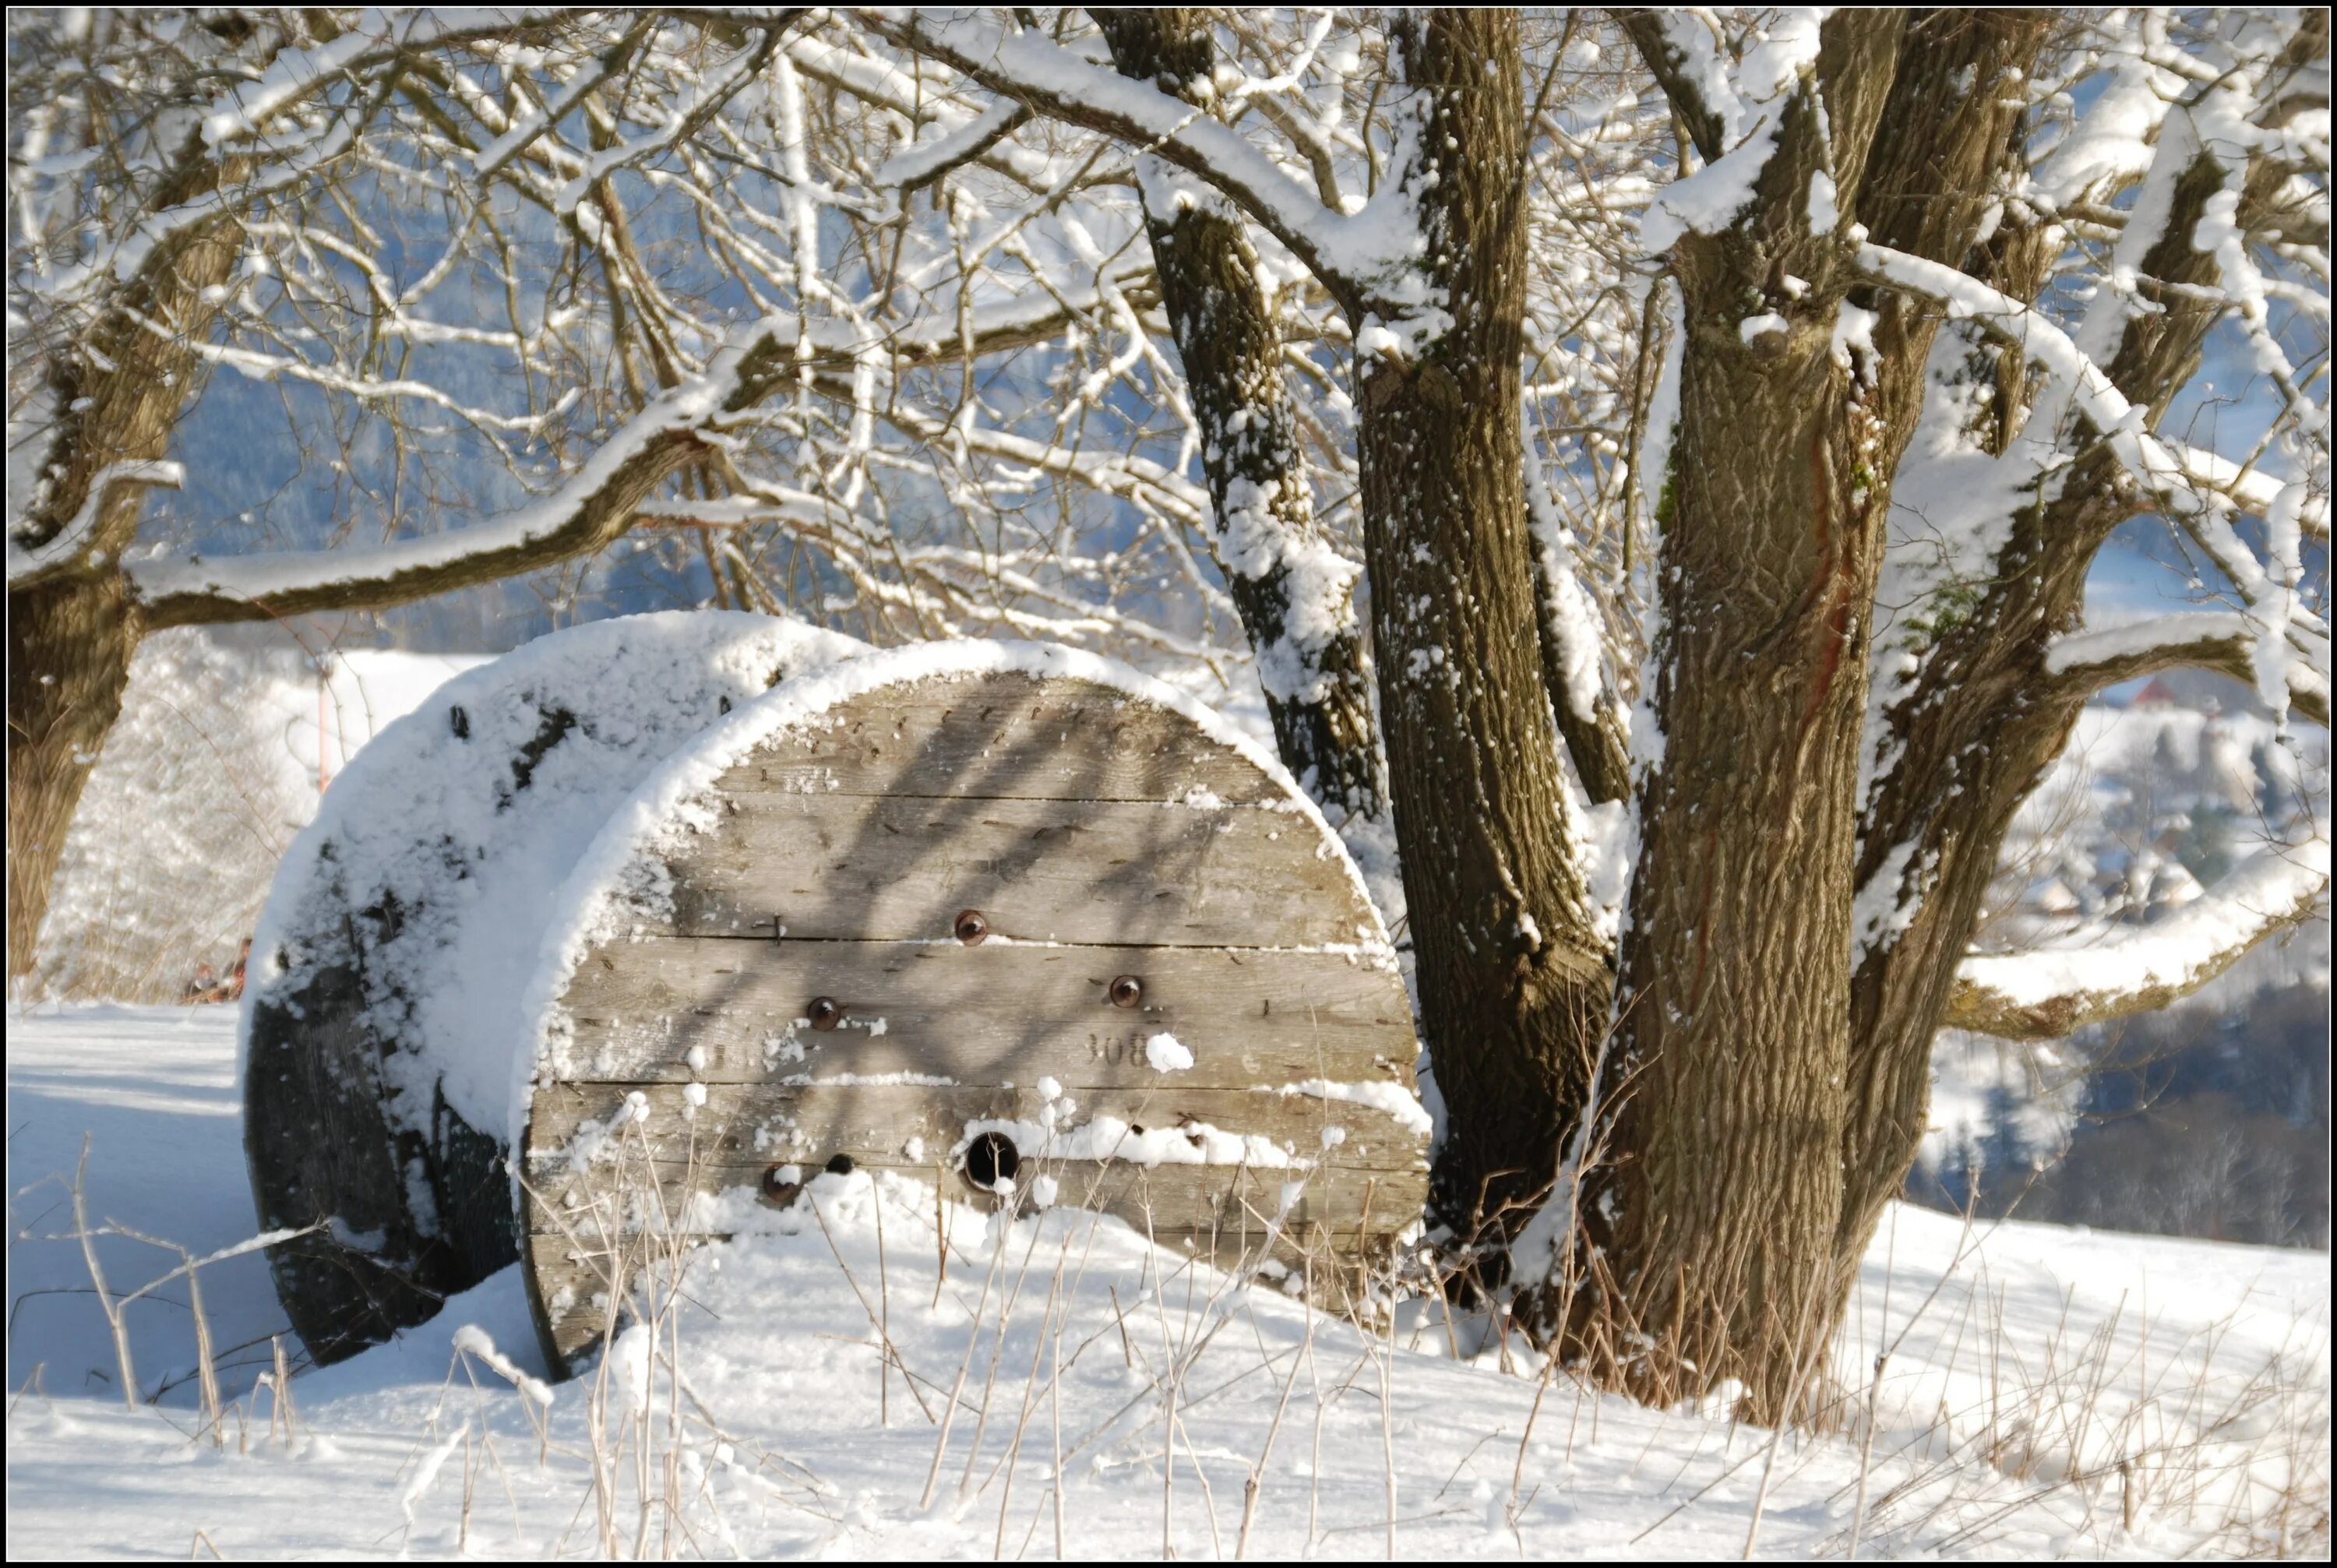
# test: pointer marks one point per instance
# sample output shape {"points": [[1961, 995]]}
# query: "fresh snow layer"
{"points": [[1392, 1098], [464, 817], [2049, 1347], [620, 878]]}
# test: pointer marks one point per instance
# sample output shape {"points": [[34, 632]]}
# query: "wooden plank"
{"points": [[755, 1124], [1109, 872], [1182, 1199], [1004, 736], [990, 1014]]}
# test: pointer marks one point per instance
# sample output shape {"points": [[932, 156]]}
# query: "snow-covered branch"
{"points": [[2114, 970], [2158, 476], [594, 506], [713, 93], [2218, 640], [1359, 259]]}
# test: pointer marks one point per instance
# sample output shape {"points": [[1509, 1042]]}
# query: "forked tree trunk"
{"points": [[1714, 1223], [1987, 717], [1513, 989], [1731, 1202]]}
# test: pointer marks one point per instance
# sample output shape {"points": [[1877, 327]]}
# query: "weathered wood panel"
{"points": [[1100, 837], [669, 1010], [1006, 736], [1098, 872], [1181, 1200]]}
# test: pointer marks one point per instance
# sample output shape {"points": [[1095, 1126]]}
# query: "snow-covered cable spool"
{"points": [[383, 1012], [1005, 915]]}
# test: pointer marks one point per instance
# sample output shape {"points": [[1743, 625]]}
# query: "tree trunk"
{"points": [[69, 645], [1293, 590], [1512, 990], [117, 391], [1715, 1221]]}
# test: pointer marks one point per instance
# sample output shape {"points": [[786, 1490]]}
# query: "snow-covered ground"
{"points": [[2045, 1391]]}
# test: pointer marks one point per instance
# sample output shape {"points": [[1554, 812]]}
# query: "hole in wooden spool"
{"points": [[825, 1013], [970, 928], [1127, 991], [990, 1159], [776, 1189], [839, 1164]]}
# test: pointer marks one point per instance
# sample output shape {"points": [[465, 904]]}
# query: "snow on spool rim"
{"points": [[383, 1003], [377, 791]]}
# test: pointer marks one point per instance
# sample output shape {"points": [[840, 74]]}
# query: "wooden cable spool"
{"points": [[961, 913], [387, 972]]}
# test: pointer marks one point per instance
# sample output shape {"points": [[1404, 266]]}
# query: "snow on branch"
{"points": [[2124, 424], [599, 500], [127, 257], [2249, 487], [28, 564], [2276, 608], [929, 160], [1771, 75], [242, 112], [2220, 640], [1359, 259], [2114, 970], [712, 94], [528, 127]]}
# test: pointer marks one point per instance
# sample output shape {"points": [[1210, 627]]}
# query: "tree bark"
{"points": [[70, 642], [1512, 986], [1292, 589], [1713, 1222]]}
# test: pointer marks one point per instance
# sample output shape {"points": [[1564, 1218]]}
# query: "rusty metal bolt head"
{"points": [[776, 1189], [826, 1013], [1127, 991], [970, 928]]}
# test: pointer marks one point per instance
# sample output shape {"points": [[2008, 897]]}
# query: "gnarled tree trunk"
{"points": [[71, 629], [1716, 1221]]}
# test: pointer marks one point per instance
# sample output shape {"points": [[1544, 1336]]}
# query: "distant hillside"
{"points": [[2212, 1118]]}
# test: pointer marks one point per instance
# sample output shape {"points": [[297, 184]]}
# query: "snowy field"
{"points": [[2046, 1392]]}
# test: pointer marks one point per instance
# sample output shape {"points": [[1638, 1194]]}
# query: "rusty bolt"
{"points": [[970, 928], [826, 1013], [1127, 991]]}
